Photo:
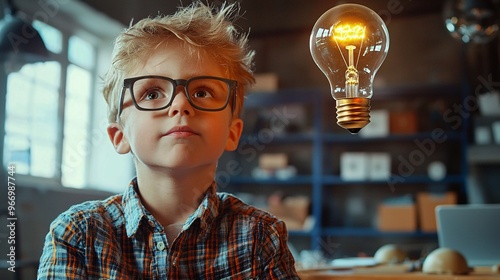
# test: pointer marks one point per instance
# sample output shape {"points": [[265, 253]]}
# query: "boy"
{"points": [[174, 92]]}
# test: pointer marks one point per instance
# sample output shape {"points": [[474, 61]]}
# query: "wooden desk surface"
{"points": [[481, 273]]}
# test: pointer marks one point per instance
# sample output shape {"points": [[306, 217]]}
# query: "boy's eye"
{"points": [[201, 94], [153, 94]]}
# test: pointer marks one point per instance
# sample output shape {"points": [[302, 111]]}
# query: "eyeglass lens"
{"points": [[205, 93]]}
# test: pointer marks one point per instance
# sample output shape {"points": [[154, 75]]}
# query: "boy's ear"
{"points": [[234, 134], [118, 139]]}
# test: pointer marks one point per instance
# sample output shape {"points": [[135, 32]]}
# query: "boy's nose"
{"points": [[180, 104]]}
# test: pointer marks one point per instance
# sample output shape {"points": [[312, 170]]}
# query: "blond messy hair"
{"points": [[202, 28]]}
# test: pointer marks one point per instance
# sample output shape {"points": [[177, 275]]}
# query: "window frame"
{"points": [[63, 58], [105, 169]]}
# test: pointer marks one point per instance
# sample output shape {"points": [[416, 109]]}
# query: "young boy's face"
{"points": [[180, 136]]}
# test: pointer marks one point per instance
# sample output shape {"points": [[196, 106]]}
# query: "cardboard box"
{"points": [[489, 103], [265, 82], [404, 122], [482, 135], [379, 166], [378, 126], [354, 166], [273, 161], [293, 210], [397, 217], [427, 203]]}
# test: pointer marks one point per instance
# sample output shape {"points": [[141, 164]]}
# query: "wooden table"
{"points": [[393, 273]]}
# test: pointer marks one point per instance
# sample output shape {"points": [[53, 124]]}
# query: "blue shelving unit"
{"points": [[410, 180], [370, 232], [331, 138], [296, 180], [320, 139]]}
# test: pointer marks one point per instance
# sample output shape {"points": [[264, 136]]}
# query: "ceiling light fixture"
{"points": [[20, 42]]}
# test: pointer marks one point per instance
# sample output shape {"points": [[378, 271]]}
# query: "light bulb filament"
{"points": [[347, 32], [350, 35]]}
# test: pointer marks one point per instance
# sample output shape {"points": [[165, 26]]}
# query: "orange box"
{"points": [[293, 210], [265, 82], [397, 217], [427, 203], [404, 122], [273, 161]]}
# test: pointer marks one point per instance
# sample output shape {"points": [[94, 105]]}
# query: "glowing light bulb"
{"points": [[349, 43]]}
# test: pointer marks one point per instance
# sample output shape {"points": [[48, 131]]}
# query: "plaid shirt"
{"points": [[119, 239]]}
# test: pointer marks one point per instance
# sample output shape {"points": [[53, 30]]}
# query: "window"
{"points": [[48, 111]]}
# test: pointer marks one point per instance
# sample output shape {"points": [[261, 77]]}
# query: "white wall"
{"points": [[107, 169]]}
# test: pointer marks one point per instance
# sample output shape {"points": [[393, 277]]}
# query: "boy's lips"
{"points": [[180, 131]]}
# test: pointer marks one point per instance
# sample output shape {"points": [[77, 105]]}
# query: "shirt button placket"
{"points": [[159, 247]]}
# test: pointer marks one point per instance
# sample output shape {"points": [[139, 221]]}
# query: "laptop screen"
{"points": [[473, 230]]}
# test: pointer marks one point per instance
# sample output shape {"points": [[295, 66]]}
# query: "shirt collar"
{"points": [[133, 208], [134, 211], [207, 211]]}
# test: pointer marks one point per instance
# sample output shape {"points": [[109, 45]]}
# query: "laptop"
{"points": [[473, 230]]}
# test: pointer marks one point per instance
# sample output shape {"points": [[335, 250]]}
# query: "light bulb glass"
{"points": [[349, 42]]}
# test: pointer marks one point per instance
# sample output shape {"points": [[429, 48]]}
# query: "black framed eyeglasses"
{"points": [[153, 93]]}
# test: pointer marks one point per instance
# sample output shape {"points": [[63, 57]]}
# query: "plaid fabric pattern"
{"points": [[118, 238]]}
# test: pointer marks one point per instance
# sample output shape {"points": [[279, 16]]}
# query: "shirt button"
{"points": [[160, 246], [151, 223]]}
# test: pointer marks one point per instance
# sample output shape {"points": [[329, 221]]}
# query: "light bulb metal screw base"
{"points": [[353, 113]]}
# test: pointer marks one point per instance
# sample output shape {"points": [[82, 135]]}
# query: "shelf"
{"points": [[333, 138], [371, 232], [415, 179], [406, 92], [484, 154], [282, 97], [296, 180], [300, 233], [278, 138]]}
